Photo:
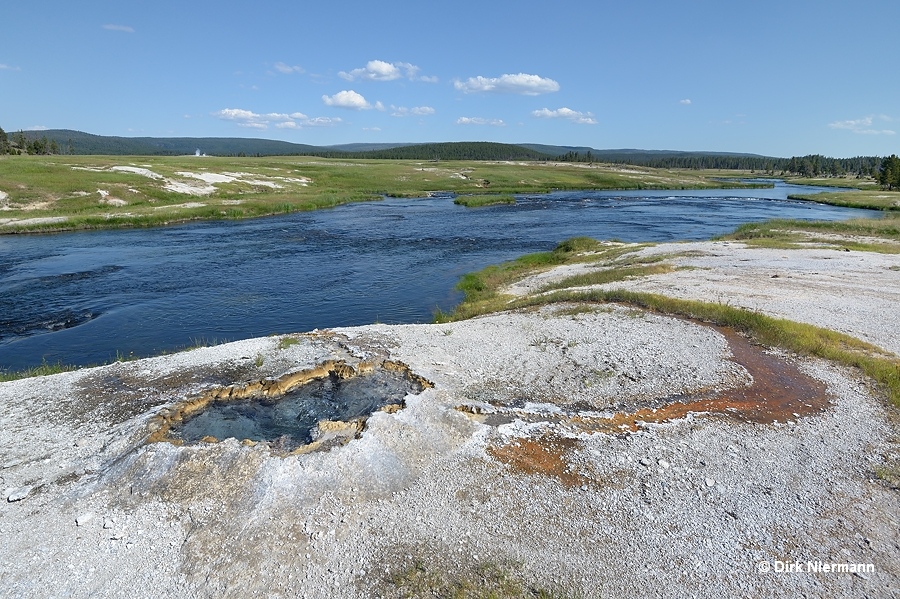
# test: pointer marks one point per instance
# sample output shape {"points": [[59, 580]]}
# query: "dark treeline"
{"points": [[19, 144], [816, 166], [813, 165], [63, 141], [463, 150]]}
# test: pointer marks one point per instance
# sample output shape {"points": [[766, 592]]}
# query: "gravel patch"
{"points": [[847, 291]]}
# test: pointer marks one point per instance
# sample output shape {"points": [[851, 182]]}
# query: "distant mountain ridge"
{"points": [[67, 141], [79, 142]]}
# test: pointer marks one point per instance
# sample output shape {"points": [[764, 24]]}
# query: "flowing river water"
{"points": [[87, 297]]}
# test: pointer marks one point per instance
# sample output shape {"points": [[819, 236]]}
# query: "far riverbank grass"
{"points": [[873, 200], [860, 234], [483, 295], [91, 192]]}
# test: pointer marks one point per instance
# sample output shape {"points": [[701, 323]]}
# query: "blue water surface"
{"points": [[84, 297]]}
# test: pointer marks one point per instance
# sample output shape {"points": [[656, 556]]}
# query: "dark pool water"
{"points": [[289, 421], [84, 298]]}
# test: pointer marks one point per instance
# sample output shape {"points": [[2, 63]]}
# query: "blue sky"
{"points": [[780, 78]]}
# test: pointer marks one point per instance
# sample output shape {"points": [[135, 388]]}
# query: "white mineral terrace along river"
{"points": [[90, 297]]}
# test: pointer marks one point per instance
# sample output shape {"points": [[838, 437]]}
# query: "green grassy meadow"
{"points": [[53, 193]]}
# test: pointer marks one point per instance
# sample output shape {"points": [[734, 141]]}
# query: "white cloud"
{"points": [[288, 69], [379, 70], [253, 120], [6, 67], [371, 128], [36, 128], [465, 120], [864, 126], [352, 100], [414, 111], [581, 118], [686, 101], [323, 121], [124, 28], [522, 83]]}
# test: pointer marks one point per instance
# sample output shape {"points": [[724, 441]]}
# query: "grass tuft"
{"points": [[44, 369], [476, 201], [287, 342]]}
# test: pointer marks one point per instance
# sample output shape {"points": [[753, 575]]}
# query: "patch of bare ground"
{"points": [[523, 491]]}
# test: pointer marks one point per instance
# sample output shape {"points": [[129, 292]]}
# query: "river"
{"points": [[85, 297]]}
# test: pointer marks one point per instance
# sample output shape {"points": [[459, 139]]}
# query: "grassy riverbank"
{"points": [[485, 292], [54, 193], [860, 234], [871, 199]]}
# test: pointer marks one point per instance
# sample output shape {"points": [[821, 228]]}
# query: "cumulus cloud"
{"points": [[402, 111], [379, 70], [581, 118], [686, 101], [123, 28], [253, 120], [865, 125], [522, 83], [287, 69], [466, 120], [352, 100]]}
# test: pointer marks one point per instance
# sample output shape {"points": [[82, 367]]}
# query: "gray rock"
{"points": [[17, 494], [84, 519]]}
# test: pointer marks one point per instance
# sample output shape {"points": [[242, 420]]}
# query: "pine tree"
{"points": [[889, 172]]}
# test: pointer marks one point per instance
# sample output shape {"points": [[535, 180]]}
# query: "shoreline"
{"points": [[110, 192], [483, 476]]}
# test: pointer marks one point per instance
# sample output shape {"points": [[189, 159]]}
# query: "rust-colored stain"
{"points": [[779, 392], [546, 455]]}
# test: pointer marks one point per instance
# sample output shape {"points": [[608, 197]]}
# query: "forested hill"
{"points": [[456, 150], [67, 141], [64, 141], [813, 165]]}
